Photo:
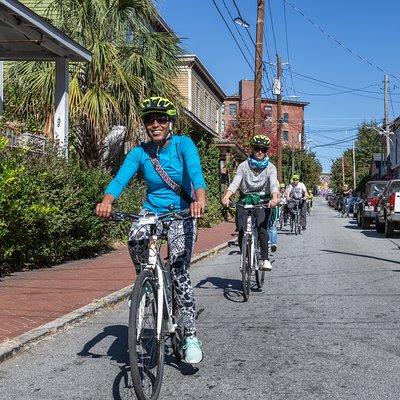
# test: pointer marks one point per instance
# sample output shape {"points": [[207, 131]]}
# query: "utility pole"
{"points": [[292, 157], [343, 171], [279, 119], [385, 137], [354, 166], [258, 67]]}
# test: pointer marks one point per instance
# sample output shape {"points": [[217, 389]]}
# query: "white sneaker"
{"points": [[266, 266]]}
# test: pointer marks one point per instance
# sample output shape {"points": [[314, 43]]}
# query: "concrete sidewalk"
{"points": [[29, 300]]}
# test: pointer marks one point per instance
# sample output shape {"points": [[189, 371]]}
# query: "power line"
{"points": [[252, 40], [331, 37], [233, 36], [391, 102], [287, 48], [336, 93], [272, 25], [237, 29], [323, 83], [334, 143]]}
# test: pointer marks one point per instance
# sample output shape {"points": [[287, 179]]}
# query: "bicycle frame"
{"points": [[156, 265]]}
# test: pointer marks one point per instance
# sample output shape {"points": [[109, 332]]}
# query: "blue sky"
{"points": [[367, 28]]}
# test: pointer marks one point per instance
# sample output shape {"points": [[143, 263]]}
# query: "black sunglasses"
{"points": [[161, 119], [257, 149]]}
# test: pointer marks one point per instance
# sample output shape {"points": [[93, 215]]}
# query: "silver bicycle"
{"points": [[153, 315]]}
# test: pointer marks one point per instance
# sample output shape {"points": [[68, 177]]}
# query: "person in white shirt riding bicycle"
{"points": [[297, 191], [256, 174], [180, 163]]}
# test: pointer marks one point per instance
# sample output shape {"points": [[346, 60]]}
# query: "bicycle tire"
{"points": [[246, 268], [296, 224], [146, 353]]}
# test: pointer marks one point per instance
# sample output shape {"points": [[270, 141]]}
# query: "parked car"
{"points": [[366, 208], [388, 209]]}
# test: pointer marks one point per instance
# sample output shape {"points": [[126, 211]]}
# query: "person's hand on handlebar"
{"points": [[274, 201], [225, 201], [197, 208], [104, 209], [225, 198]]}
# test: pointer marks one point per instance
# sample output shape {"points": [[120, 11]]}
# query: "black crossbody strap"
{"points": [[167, 179]]}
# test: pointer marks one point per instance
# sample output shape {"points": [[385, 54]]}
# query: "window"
{"points": [[197, 99], [268, 111], [285, 117], [222, 125], [233, 109], [208, 110], [223, 109], [285, 136]]}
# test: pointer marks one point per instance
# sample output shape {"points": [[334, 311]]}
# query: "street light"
{"points": [[240, 21]]}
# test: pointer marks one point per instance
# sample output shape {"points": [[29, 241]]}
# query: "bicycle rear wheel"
{"points": [[146, 352], [246, 268], [260, 277]]}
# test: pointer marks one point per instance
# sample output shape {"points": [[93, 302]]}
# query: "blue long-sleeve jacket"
{"points": [[179, 159]]}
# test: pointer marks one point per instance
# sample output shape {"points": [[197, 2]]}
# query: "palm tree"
{"points": [[129, 62]]}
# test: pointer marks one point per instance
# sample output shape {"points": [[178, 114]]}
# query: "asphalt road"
{"points": [[325, 326]]}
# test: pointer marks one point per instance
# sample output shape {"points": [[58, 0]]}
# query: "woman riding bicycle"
{"points": [[256, 174], [180, 162]]}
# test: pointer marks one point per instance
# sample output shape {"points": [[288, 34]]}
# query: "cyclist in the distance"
{"points": [[297, 191], [180, 161], [256, 174]]}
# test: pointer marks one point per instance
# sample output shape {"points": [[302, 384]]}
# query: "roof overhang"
{"points": [[25, 36], [200, 123], [233, 147], [194, 62]]}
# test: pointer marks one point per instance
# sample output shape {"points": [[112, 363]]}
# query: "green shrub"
{"points": [[46, 210], [209, 155], [47, 207]]}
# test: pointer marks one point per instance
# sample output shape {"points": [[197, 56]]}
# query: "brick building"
{"points": [[292, 114]]}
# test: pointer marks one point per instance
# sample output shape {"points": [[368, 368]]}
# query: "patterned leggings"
{"points": [[181, 236]]}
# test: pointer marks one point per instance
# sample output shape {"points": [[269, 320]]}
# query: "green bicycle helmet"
{"points": [[282, 186], [296, 177], [159, 105], [260, 141]]}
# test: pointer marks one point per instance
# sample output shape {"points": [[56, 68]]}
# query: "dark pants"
{"points": [[262, 217], [303, 211]]}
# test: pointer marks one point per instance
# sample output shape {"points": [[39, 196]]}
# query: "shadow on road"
{"points": [[362, 255], [232, 288], [118, 351]]}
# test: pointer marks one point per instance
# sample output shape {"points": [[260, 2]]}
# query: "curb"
{"points": [[13, 347]]}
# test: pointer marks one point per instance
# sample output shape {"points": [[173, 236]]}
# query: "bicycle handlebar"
{"points": [[126, 216]]}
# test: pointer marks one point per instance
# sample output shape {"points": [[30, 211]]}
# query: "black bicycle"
{"points": [[295, 217], [250, 260], [153, 315]]}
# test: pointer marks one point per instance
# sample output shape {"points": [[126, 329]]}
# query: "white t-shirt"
{"points": [[297, 192]]}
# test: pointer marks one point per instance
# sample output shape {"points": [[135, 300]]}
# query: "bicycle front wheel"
{"points": [[146, 352], [246, 268]]}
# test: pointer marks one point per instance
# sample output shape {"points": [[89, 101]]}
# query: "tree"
{"points": [[367, 143], [241, 130], [305, 164], [129, 62]]}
